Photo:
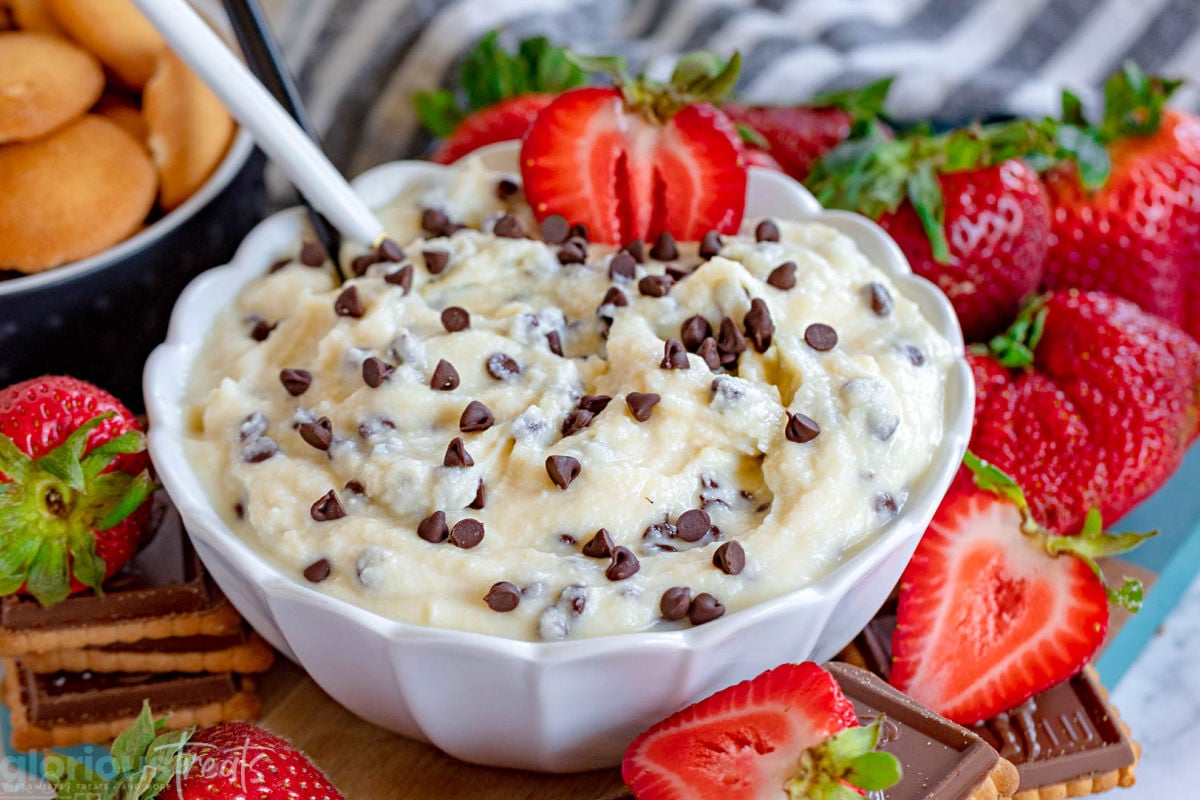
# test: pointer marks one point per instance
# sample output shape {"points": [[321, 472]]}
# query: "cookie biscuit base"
{"points": [[242, 706], [220, 620], [253, 655]]}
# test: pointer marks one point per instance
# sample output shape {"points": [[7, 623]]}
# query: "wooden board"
{"points": [[366, 762]]}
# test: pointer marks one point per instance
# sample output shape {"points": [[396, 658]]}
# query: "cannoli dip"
{"points": [[500, 427]]}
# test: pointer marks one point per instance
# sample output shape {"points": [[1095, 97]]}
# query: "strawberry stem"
{"points": [[848, 759], [1015, 348]]}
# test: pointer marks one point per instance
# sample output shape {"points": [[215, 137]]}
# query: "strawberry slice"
{"points": [[634, 161], [988, 616], [790, 732]]}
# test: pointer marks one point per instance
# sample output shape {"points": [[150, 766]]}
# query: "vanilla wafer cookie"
{"points": [[240, 652], [116, 32], [45, 82], [74, 708]]}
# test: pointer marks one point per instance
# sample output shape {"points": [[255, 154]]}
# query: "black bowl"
{"points": [[99, 318]]}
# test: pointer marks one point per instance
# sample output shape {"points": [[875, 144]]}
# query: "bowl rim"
{"points": [[169, 367]]}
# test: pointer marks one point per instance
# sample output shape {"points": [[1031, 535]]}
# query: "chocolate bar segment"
{"points": [[940, 760], [200, 643], [1065, 733], [69, 698], [165, 577]]}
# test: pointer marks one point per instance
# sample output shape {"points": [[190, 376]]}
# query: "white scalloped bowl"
{"points": [[547, 706]]}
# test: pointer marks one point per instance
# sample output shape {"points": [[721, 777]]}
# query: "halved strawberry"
{"points": [[788, 733], [634, 161], [992, 609]]}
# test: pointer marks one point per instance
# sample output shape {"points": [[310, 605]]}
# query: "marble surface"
{"points": [[1159, 698]]}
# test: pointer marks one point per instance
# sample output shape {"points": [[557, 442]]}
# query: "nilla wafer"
{"points": [[45, 82], [189, 129], [71, 194], [116, 32], [34, 15]]}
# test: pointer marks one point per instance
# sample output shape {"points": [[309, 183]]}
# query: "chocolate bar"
{"points": [[1068, 733], [939, 759]]}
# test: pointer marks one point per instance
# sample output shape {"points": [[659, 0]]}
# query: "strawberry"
{"points": [[1089, 402], [797, 136], [640, 159], [992, 608], [222, 762], [502, 93], [74, 481], [790, 732], [967, 213], [1126, 208]]}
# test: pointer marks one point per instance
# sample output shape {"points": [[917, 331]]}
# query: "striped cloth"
{"points": [[359, 62]]}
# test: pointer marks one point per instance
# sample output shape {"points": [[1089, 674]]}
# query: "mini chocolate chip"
{"points": [[622, 266], [882, 424], [579, 231], [884, 503], [506, 188], [915, 356], [317, 571], [711, 354], [509, 227], [766, 231], [563, 470], [784, 276], [705, 608], [594, 403], [349, 304], [710, 245], [296, 381], [759, 326], [624, 564], [694, 331], [555, 229], [693, 525], [554, 342], [259, 449], [433, 528], [502, 367], [390, 250], [880, 299], [436, 261], [475, 417], [457, 455], [730, 342], [375, 371], [730, 558], [455, 319], [820, 336], [675, 602], [260, 329], [674, 356], [656, 285], [567, 538], [402, 277], [503, 596], [678, 272], [253, 426], [327, 508], [800, 428], [435, 221], [576, 421], [445, 377], [637, 249], [278, 265], [361, 264], [572, 253], [641, 404], [313, 254], [319, 434], [356, 487], [466, 533], [239, 510], [664, 248], [599, 546], [480, 499], [615, 297]]}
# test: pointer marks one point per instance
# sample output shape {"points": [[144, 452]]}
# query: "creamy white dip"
{"points": [[717, 440]]}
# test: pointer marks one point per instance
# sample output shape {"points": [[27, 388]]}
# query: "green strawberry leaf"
{"points": [[49, 579], [864, 102], [1093, 542], [88, 567], [14, 464], [751, 137], [849, 744], [1072, 110], [992, 479], [847, 759], [439, 111], [73, 780], [166, 757], [1133, 102], [1084, 147], [1016, 347], [925, 194], [1129, 596], [63, 461], [696, 67], [137, 490], [874, 772], [17, 550], [129, 748], [103, 455]]}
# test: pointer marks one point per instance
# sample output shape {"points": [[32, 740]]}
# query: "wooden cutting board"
{"points": [[368, 763]]}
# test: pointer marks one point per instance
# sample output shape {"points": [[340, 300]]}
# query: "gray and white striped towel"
{"points": [[360, 61]]}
